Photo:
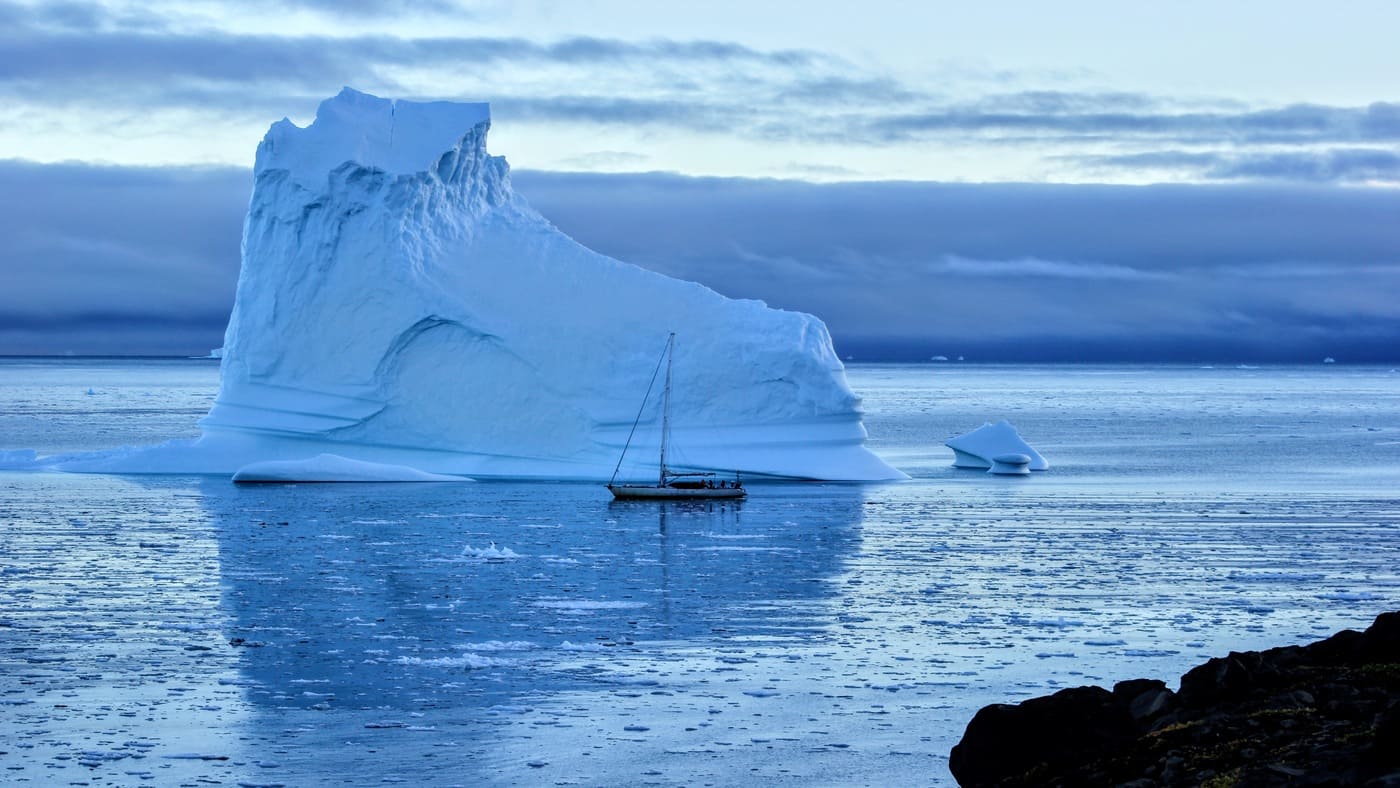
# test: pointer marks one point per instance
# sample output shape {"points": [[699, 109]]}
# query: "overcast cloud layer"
{"points": [[156, 72], [145, 260]]}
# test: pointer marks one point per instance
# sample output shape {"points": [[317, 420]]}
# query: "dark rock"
{"points": [[1125, 691], [1323, 714], [1385, 747], [1067, 727], [1150, 705]]}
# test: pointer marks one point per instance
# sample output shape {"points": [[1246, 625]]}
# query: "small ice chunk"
{"points": [[334, 468], [492, 553], [977, 449], [1349, 596]]}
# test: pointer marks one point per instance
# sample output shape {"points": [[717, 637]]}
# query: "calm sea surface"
{"points": [[168, 630]]}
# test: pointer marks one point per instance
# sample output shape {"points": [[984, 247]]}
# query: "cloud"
{"points": [[1327, 165], [1032, 267], [614, 111], [86, 66], [367, 8], [94, 253], [75, 58], [992, 271], [1020, 271], [1094, 116], [147, 72], [605, 160]]}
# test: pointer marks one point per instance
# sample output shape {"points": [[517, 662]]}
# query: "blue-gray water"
{"points": [[166, 630]]}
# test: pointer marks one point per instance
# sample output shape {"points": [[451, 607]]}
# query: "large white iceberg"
{"points": [[399, 303]]}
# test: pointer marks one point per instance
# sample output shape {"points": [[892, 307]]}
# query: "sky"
{"points": [[1003, 181]]}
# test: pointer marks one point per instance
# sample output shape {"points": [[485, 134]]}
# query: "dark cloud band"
{"points": [[992, 271]]}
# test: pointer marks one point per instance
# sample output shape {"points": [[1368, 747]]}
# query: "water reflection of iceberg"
{"points": [[372, 612]]}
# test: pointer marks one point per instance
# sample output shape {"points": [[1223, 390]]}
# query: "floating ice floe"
{"points": [[400, 303], [996, 447], [334, 468], [491, 553]]}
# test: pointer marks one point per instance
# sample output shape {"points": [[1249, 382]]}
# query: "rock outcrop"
{"points": [[1323, 714]]}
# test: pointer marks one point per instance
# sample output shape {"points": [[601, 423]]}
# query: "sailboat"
{"points": [[670, 484]]}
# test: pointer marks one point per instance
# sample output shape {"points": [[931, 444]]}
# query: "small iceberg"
{"points": [[997, 448], [334, 468]]}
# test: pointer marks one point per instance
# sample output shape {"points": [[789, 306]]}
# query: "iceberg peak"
{"points": [[396, 136]]}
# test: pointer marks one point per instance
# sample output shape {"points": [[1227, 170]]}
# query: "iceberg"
{"points": [[399, 303], [997, 448], [18, 459], [334, 468]]}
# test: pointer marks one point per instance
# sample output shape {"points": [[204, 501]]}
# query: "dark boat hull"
{"points": [[639, 491]]}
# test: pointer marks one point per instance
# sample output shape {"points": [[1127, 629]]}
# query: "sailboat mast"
{"points": [[666, 404]]}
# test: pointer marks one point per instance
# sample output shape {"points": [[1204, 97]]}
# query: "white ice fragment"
{"points": [[568, 646], [492, 553], [469, 661], [334, 468], [1349, 596], [977, 449], [585, 605], [500, 645]]}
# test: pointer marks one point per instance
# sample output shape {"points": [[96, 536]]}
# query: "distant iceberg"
{"points": [[399, 303], [996, 447]]}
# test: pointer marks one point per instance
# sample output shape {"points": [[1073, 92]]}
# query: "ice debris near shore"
{"points": [[334, 468], [400, 303], [996, 447]]}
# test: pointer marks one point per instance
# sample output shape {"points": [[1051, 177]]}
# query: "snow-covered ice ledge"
{"points": [[400, 303]]}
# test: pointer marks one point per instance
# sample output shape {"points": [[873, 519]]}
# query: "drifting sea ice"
{"points": [[322, 634]]}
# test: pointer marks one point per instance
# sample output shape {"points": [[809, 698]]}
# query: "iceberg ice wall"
{"points": [[399, 302]]}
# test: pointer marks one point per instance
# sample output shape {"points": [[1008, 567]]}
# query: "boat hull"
{"points": [[630, 491]]}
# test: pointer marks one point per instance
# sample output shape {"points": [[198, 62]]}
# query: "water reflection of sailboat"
{"points": [[671, 485]]}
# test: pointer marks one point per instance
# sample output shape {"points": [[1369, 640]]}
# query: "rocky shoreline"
{"points": [[1322, 714]]}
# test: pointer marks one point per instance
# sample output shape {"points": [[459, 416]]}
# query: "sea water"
{"points": [[168, 630]]}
